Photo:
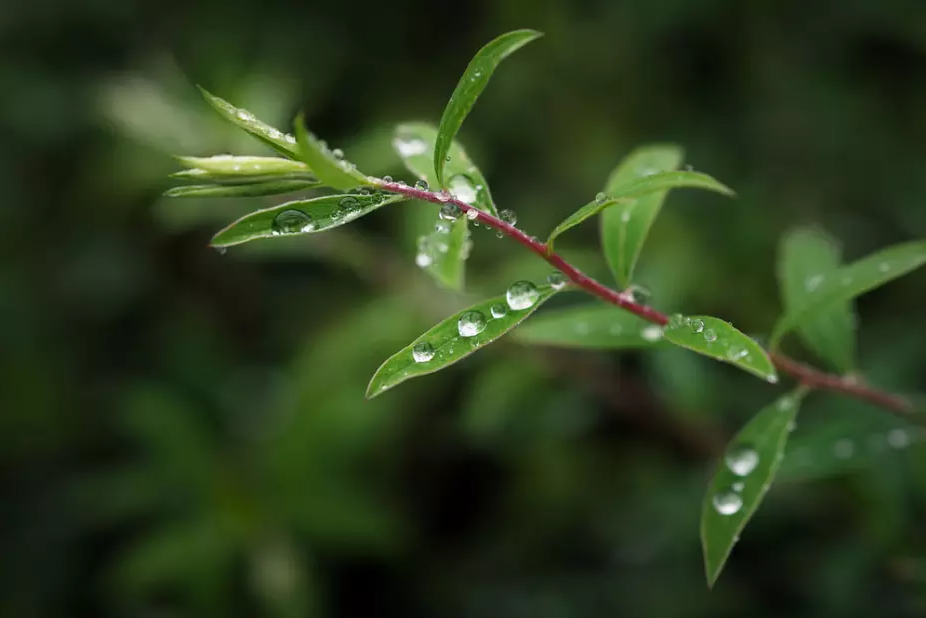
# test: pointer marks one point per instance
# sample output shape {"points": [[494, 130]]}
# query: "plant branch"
{"points": [[804, 374]]}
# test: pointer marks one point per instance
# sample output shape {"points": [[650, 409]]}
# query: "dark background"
{"points": [[184, 433]]}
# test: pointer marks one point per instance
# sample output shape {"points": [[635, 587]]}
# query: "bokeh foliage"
{"points": [[184, 433]]}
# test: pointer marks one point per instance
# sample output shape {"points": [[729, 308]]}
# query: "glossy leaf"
{"points": [[720, 340], [589, 210], [334, 172], [474, 80], [301, 217], [624, 228], [853, 280], [446, 343], [228, 166], [414, 143], [742, 480], [253, 189], [806, 257], [281, 142], [590, 326]]}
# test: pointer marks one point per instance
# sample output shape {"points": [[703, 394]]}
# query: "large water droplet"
{"points": [[498, 310], [423, 352], [450, 212], [727, 502], [421, 185], [410, 146], [600, 198], [291, 222], [471, 324], [522, 295], [697, 325], [462, 188], [349, 207], [508, 216], [710, 336], [557, 280], [741, 459], [337, 153]]}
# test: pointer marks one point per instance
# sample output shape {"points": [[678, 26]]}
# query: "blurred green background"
{"points": [[184, 433]]}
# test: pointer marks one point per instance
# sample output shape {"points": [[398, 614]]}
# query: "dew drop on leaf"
{"points": [[741, 459], [410, 147], [557, 280], [498, 310], [727, 502], [462, 188], [337, 153], [423, 352], [450, 212], [291, 222], [710, 336], [652, 333], [697, 325], [442, 227], [471, 324], [522, 295], [601, 198], [813, 282]]}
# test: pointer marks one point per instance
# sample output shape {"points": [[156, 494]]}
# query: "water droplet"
{"points": [[640, 294], [423, 260], [498, 310], [421, 185], [741, 459], [499, 234], [522, 295], [601, 198], [813, 282], [423, 352], [387, 178], [443, 195], [727, 502], [289, 138], [349, 207], [291, 222], [337, 153], [625, 216], [710, 336], [471, 214], [509, 217], [785, 403], [450, 212], [447, 159], [738, 486], [442, 227], [652, 333], [462, 188], [843, 449], [689, 167], [471, 324], [410, 146], [221, 250], [557, 280], [697, 325], [735, 352], [884, 267], [898, 438]]}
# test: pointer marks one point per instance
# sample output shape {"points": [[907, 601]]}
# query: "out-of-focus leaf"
{"points": [[625, 228], [720, 340], [806, 256], [443, 255], [302, 217], [332, 171], [743, 478], [474, 80], [414, 143], [459, 335], [853, 280], [254, 189], [589, 210], [221, 166], [590, 326], [281, 142]]}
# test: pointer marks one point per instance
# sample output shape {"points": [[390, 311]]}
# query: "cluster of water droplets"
{"points": [[732, 351], [741, 460]]}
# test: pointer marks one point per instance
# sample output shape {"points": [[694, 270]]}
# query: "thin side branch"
{"points": [[804, 374]]}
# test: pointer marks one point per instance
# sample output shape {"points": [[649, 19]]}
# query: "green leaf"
{"points": [[719, 340], [228, 166], [301, 217], [470, 86], [444, 344], [276, 139], [853, 280], [590, 326], [253, 189], [334, 172], [806, 257], [743, 478], [414, 143], [624, 229], [589, 210], [444, 256]]}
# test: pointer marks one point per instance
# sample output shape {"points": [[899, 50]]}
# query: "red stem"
{"points": [[804, 374]]}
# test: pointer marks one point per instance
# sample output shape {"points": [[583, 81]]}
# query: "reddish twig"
{"points": [[805, 375]]}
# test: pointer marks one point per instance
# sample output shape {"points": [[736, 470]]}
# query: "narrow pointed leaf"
{"points": [[231, 166], [719, 340], [592, 326], [446, 344], [853, 280], [624, 228], [254, 189], [334, 172], [301, 217], [200, 175], [742, 480], [414, 143], [589, 210], [281, 142], [470, 86], [806, 257]]}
